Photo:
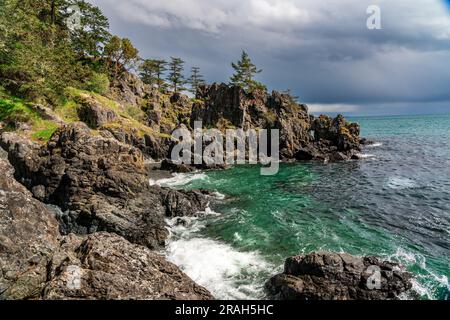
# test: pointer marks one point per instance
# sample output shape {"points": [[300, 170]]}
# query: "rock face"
{"points": [[38, 263], [332, 276], [28, 236], [302, 137], [94, 114], [100, 184], [105, 266]]}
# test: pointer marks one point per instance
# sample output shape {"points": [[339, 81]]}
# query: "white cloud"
{"points": [[332, 108], [212, 15]]}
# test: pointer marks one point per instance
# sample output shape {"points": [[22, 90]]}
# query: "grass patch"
{"points": [[14, 111], [68, 111], [43, 130]]}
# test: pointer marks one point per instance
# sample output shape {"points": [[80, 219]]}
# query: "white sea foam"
{"points": [[219, 267], [420, 287], [366, 155], [400, 183], [374, 145], [218, 195], [179, 179], [226, 272]]}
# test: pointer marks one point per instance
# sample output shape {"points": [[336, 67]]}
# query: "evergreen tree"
{"points": [[151, 72], [121, 53], [195, 80], [176, 78], [92, 35], [245, 72], [37, 60]]}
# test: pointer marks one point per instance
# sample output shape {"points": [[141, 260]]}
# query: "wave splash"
{"points": [[225, 271], [178, 180]]}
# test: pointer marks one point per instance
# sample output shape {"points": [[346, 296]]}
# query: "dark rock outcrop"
{"points": [[100, 184], [332, 276], [94, 114], [36, 262], [28, 237], [302, 136], [105, 266]]}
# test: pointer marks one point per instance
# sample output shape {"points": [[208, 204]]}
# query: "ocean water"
{"points": [[394, 204]]}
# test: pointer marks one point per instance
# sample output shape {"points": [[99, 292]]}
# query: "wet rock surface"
{"points": [[333, 276]]}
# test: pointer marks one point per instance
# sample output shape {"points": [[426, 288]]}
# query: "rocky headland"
{"points": [[80, 220]]}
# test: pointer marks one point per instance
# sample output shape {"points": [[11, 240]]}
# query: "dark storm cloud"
{"points": [[321, 50]]}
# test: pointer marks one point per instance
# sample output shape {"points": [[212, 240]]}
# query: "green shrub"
{"points": [[99, 83]]}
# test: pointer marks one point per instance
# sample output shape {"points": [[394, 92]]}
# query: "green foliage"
{"points": [[38, 53], [151, 72], [14, 110], [99, 83], [195, 80], [44, 130], [122, 53], [68, 111], [245, 72], [135, 113], [176, 78], [90, 38]]}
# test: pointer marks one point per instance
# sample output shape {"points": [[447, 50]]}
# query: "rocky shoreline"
{"points": [[105, 241]]}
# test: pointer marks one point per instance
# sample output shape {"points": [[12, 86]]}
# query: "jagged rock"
{"points": [[129, 90], [28, 236], [94, 114], [100, 184], [169, 165], [302, 137], [36, 262], [105, 266], [332, 276]]}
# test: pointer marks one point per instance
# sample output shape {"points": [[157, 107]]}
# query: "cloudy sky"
{"points": [[321, 50]]}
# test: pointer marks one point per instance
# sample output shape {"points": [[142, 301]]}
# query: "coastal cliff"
{"points": [[105, 223]]}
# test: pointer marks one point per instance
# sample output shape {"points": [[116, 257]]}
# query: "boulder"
{"points": [[105, 266], [333, 276], [94, 114], [100, 184], [28, 237], [38, 263]]}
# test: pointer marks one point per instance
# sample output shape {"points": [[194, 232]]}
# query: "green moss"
{"points": [[135, 113], [44, 130], [16, 110], [68, 111]]}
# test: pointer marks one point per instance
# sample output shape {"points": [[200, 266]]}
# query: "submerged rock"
{"points": [[332, 276]]}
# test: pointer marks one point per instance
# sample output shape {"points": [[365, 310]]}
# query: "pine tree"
{"points": [[245, 72], [195, 80], [122, 53], [176, 78]]}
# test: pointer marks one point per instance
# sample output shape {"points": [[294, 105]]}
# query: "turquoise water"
{"points": [[394, 204]]}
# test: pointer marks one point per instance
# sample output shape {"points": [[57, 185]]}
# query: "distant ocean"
{"points": [[395, 204]]}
